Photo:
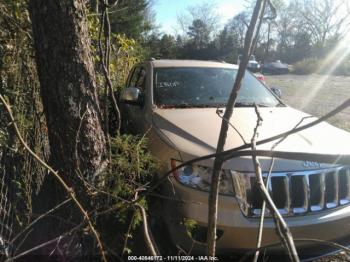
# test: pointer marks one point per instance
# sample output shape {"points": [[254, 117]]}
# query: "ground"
{"points": [[315, 94]]}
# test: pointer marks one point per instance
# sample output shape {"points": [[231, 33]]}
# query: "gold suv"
{"points": [[180, 103]]}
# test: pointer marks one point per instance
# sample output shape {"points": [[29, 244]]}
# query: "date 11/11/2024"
{"points": [[172, 258]]}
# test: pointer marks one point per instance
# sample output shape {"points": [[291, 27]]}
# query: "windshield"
{"points": [[207, 87]]}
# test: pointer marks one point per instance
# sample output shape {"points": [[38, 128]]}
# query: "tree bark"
{"points": [[68, 87]]}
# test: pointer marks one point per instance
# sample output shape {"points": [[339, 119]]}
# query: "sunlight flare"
{"points": [[332, 61]]}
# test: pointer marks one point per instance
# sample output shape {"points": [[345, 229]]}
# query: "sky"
{"points": [[167, 11]]}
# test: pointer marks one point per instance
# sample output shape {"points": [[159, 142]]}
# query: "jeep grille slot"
{"points": [[280, 194], [317, 189], [256, 200], [344, 185], [331, 189], [298, 193]]}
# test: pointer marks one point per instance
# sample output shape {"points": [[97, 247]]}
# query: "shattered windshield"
{"points": [[207, 87]]}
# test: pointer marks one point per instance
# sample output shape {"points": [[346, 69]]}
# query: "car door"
{"points": [[134, 117]]}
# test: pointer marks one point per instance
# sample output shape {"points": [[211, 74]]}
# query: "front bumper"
{"points": [[239, 233]]}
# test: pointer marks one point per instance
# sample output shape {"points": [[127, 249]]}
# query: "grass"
{"points": [[300, 92]]}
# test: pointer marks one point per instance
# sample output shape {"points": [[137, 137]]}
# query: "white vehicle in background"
{"points": [[253, 65]]}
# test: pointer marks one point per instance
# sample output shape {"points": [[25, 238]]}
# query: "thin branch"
{"points": [[341, 159], [283, 229], [298, 129], [43, 244], [214, 187], [106, 56], [22, 242], [39, 218], [262, 215], [148, 234], [138, 149], [256, 163], [127, 234], [263, 208], [69, 190], [231, 125], [284, 233]]}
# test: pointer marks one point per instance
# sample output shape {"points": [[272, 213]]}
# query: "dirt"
{"points": [[315, 94]]}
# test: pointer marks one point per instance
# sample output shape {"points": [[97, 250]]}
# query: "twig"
{"points": [[148, 234], [253, 142], [303, 127], [22, 241], [105, 57], [69, 190], [262, 215], [214, 187], [138, 149], [127, 234], [43, 244], [107, 5], [256, 37], [231, 125], [39, 218], [284, 233]]}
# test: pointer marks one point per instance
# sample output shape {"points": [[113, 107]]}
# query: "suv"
{"points": [[179, 104], [253, 65]]}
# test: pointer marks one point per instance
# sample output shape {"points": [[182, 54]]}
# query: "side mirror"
{"points": [[131, 95], [277, 91]]}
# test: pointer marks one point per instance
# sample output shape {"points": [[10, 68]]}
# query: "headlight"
{"points": [[199, 177]]}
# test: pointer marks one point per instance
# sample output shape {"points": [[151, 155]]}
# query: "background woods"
{"points": [[303, 33]]}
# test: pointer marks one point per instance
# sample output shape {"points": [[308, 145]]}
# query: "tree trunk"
{"points": [[68, 87]]}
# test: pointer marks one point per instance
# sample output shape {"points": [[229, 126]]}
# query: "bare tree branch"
{"points": [[283, 229], [44, 244], [69, 190], [214, 187], [105, 56], [148, 234], [237, 131], [262, 216], [39, 218]]}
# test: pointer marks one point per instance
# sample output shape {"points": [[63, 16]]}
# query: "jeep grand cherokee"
{"points": [[178, 103]]}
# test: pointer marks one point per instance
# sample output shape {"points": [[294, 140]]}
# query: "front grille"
{"points": [[295, 193]]}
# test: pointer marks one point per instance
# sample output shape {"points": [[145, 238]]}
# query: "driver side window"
{"points": [[133, 78], [138, 78]]}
